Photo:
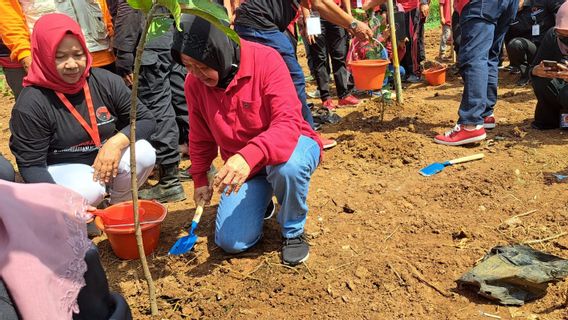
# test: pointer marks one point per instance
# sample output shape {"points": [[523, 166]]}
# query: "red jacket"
{"points": [[258, 116]]}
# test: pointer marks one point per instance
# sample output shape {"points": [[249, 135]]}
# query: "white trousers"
{"points": [[79, 177]]}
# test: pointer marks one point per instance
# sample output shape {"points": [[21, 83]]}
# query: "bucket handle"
{"points": [[132, 224]]}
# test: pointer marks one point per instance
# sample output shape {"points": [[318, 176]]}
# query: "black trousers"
{"points": [[552, 97], [415, 51], [6, 170], [456, 31], [332, 43], [155, 91], [521, 53], [177, 81]]}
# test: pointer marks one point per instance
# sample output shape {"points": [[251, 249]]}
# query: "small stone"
{"points": [[482, 208], [345, 299], [350, 285]]}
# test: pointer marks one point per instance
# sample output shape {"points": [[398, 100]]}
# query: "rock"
{"points": [[348, 209], [350, 285], [361, 272], [482, 208]]}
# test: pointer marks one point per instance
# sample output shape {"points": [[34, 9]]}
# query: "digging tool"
{"points": [[185, 244], [437, 166]]}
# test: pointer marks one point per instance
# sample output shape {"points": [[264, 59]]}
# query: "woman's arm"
{"points": [[30, 139]]}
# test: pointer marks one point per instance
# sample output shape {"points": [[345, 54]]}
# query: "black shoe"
{"points": [[523, 81], [269, 210], [295, 250], [168, 189]]}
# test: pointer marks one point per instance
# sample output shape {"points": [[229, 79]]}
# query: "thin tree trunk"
{"points": [[133, 176]]}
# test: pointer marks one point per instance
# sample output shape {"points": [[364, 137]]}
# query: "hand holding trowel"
{"points": [[437, 166]]}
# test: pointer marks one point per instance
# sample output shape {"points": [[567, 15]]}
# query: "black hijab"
{"points": [[207, 44]]}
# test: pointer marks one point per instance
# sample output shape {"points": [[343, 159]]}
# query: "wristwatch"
{"points": [[353, 24]]}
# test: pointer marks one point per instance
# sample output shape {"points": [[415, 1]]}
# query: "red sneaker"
{"points": [[489, 122], [328, 104], [348, 100], [327, 143], [459, 136]]}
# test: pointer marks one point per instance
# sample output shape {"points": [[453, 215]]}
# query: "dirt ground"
{"points": [[398, 254]]}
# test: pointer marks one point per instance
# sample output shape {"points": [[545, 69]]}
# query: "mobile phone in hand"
{"points": [[554, 66]]}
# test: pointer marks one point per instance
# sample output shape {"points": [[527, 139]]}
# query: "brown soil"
{"points": [[408, 234]]}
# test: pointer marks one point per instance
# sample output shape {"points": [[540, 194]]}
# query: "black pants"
{"points": [[415, 51], [177, 80], [95, 300], [156, 93], [6, 170], [456, 31], [552, 97], [521, 53], [333, 43]]}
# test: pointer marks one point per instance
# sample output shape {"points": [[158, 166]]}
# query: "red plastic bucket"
{"points": [[435, 76], [369, 74], [120, 233]]}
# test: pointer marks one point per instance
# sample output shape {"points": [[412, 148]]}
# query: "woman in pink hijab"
{"points": [[550, 76]]}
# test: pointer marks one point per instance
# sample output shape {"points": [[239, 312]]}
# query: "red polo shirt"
{"points": [[258, 116], [409, 5], [459, 4]]}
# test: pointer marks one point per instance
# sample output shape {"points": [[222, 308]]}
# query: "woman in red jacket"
{"points": [[242, 101]]}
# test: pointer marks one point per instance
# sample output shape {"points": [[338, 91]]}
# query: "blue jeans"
{"points": [[240, 216], [484, 24], [280, 42]]}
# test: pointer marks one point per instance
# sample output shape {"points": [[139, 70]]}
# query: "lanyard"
{"points": [[93, 129]]}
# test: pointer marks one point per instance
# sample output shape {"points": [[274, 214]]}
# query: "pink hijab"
{"points": [[48, 32], [562, 23], [43, 242]]}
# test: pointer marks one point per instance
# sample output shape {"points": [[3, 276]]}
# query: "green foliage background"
{"points": [[433, 20]]}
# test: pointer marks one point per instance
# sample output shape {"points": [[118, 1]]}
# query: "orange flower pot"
{"points": [[369, 74], [120, 231], [435, 76]]}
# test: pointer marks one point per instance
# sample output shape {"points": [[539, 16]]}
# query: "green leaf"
{"points": [[174, 8], [211, 12], [158, 27], [206, 6], [144, 5]]}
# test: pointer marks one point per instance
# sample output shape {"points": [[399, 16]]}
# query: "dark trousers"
{"points": [[177, 80], [155, 91], [484, 24], [415, 51], [281, 43], [332, 43], [6, 170], [456, 31], [521, 53], [552, 98]]}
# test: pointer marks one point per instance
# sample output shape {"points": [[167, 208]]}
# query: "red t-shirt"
{"points": [[446, 11], [6, 62], [459, 4], [258, 116], [409, 5]]}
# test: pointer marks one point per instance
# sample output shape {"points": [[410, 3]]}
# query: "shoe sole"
{"points": [[329, 146], [271, 213], [171, 199], [489, 126], [462, 142], [299, 262]]}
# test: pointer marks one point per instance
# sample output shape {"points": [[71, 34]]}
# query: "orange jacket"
{"points": [[16, 34]]}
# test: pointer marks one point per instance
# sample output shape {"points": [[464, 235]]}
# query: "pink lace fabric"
{"points": [[43, 242]]}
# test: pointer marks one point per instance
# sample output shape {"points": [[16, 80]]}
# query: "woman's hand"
{"points": [[106, 162], [232, 175], [202, 195], [544, 72]]}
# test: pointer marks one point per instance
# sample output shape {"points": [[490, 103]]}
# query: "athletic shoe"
{"points": [[413, 79], [328, 104], [295, 250], [459, 136], [489, 122], [348, 100], [269, 210], [327, 143], [314, 94], [514, 70], [310, 78]]}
